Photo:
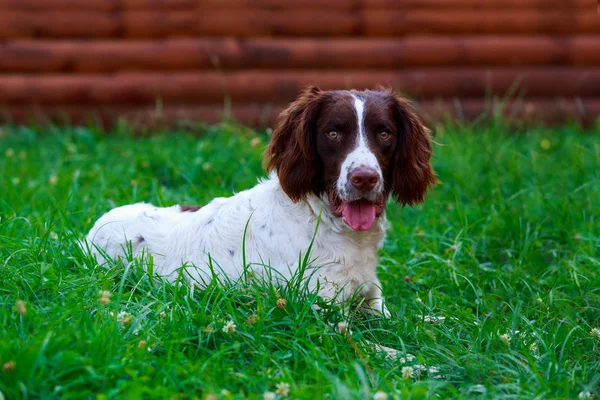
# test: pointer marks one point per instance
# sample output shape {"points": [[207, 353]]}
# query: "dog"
{"points": [[335, 159]]}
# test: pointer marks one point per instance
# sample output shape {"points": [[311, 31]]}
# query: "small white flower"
{"points": [[419, 368], [407, 372], [586, 395], [477, 389], [433, 320], [124, 318], [433, 370], [533, 347], [269, 396], [53, 180], [229, 327], [410, 357], [283, 389], [342, 327], [380, 396], [505, 337], [225, 392], [595, 332], [104, 296]]}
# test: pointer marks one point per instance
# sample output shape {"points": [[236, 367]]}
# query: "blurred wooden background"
{"points": [[73, 60]]}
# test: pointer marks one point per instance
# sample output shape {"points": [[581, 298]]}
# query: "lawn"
{"points": [[493, 283]]}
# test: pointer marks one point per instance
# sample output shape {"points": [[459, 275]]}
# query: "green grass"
{"points": [[507, 244]]}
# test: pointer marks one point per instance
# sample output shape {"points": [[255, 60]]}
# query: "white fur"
{"points": [[279, 230], [360, 156]]}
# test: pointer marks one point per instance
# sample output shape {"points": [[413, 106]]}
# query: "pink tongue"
{"points": [[360, 215]]}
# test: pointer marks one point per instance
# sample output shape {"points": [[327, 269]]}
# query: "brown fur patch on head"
{"points": [[291, 151], [412, 173]]}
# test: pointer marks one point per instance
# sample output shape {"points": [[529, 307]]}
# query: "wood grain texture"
{"points": [[72, 56], [283, 86], [112, 5], [551, 111], [253, 23]]}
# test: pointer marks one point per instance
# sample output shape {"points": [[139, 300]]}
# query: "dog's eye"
{"points": [[384, 135], [333, 135]]}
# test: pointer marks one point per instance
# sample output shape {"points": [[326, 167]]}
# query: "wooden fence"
{"points": [[203, 59]]}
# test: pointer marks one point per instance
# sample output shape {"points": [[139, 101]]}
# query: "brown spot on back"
{"points": [[190, 208]]}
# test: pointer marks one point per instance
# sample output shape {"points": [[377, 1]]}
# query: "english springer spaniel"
{"points": [[338, 157]]}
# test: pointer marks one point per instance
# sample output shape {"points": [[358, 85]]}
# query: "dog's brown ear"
{"points": [[412, 173], [291, 151]]}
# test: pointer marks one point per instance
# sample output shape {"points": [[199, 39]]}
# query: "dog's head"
{"points": [[357, 147]]}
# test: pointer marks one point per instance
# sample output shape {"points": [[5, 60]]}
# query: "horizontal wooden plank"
{"points": [[112, 5], [152, 24], [282, 86], [98, 5], [228, 53], [401, 4], [550, 111]]}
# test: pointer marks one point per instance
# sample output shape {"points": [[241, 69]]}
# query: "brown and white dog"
{"points": [[338, 154]]}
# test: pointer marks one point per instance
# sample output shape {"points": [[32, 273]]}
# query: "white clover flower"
{"points": [[229, 327], [533, 347], [380, 396], [269, 396], [104, 296], [283, 389], [419, 368], [585, 395], [477, 389], [410, 357], [595, 332], [505, 337], [407, 372], [281, 303], [342, 327], [124, 318], [433, 319], [433, 370]]}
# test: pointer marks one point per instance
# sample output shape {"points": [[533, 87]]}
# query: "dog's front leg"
{"points": [[373, 301]]}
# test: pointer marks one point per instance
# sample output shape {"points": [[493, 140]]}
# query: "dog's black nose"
{"points": [[364, 179]]}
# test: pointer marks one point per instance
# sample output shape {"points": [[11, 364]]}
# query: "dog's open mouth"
{"points": [[360, 215]]}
